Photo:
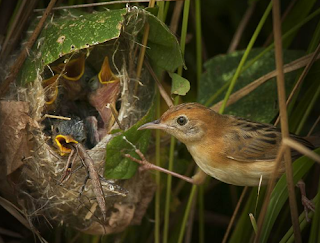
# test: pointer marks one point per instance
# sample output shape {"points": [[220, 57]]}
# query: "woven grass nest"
{"points": [[35, 161]]}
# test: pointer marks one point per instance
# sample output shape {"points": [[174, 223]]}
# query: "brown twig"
{"points": [[142, 53], [242, 25], [147, 165], [90, 5], [162, 91], [302, 77], [235, 213], [285, 14], [176, 16], [143, 48], [301, 62], [284, 118], [23, 55], [269, 190], [314, 126], [55, 117], [16, 28], [301, 149], [284, 122]]}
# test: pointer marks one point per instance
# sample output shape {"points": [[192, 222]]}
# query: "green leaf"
{"points": [[280, 194], [163, 47], [180, 85], [119, 167], [69, 34], [261, 104]]}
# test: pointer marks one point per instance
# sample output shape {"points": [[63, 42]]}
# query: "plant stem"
{"points": [[308, 111], [198, 40], [245, 56], [186, 215], [184, 30], [169, 185], [284, 118], [158, 178]]}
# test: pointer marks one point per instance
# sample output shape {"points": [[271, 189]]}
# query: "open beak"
{"points": [[62, 141], [154, 125]]}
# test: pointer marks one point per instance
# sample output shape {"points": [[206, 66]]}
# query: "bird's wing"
{"points": [[253, 141]]}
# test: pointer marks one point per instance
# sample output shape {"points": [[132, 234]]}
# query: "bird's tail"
{"points": [[314, 140]]}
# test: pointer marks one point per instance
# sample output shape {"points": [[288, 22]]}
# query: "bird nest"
{"points": [[94, 90]]}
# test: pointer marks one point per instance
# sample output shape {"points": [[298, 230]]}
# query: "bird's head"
{"points": [[65, 133], [187, 122]]}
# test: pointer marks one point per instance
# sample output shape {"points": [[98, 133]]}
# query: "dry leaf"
{"points": [[14, 120]]}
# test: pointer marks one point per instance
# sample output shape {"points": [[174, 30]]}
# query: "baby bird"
{"points": [[231, 149], [66, 132]]}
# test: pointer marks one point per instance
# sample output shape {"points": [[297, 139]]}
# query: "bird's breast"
{"points": [[230, 171]]}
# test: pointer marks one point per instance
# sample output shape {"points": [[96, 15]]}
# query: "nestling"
{"points": [[230, 149]]}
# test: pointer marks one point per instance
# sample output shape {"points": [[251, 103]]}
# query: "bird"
{"points": [[75, 75], [104, 90], [66, 132], [231, 149]]}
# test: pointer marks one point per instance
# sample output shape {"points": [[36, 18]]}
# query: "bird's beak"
{"points": [[153, 125], [61, 141]]}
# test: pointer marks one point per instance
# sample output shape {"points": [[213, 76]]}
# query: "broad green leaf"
{"points": [[68, 34], [280, 194], [119, 167], [180, 85], [261, 104], [163, 47], [72, 33]]}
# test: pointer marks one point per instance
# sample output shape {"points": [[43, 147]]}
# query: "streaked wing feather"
{"points": [[253, 141]]}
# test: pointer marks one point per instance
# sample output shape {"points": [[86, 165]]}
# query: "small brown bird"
{"points": [[231, 149]]}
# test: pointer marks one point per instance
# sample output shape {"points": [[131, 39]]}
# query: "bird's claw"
{"points": [[308, 206]]}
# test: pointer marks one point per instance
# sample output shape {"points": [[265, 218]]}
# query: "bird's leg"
{"points": [[94, 176], [68, 167], [199, 177], [76, 169], [84, 185], [146, 165], [307, 204]]}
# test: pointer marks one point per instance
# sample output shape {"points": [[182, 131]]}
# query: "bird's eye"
{"points": [[182, 120]]}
